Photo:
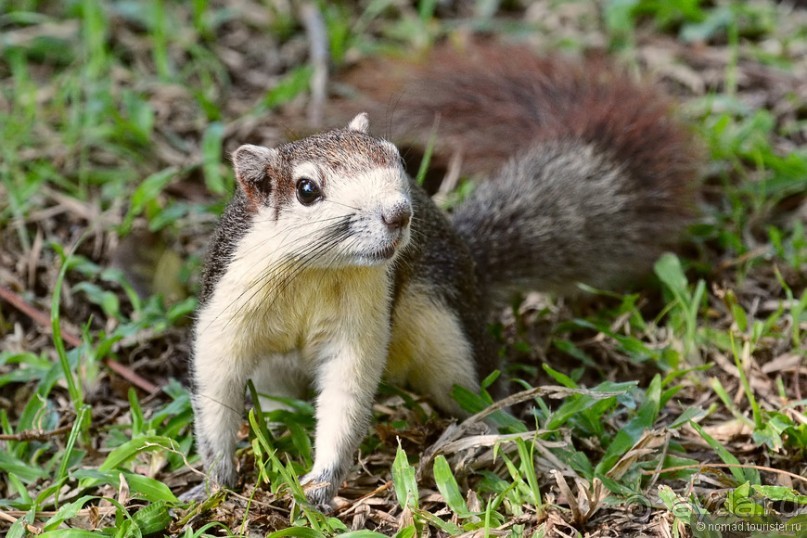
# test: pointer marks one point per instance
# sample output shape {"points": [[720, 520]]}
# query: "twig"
{"points": [[11, 519], [36, 315], [318, 56], [262, 503], [13, 515], [42, 319], [476, 441], [724, 465], [35, 435], [750, 255], [131, 376], [550, 391], [455, 437], [360, 501]]}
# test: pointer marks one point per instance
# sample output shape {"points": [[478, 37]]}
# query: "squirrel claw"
{"points": [[319, 490], [198, 493]]}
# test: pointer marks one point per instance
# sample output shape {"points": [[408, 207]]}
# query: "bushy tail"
{"points": [[597, 179]]}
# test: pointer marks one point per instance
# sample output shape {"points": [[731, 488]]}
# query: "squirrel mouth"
{"points": [[384, 253]]}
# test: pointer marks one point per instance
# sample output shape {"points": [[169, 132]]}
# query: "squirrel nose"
{"points": [[397, 216]]}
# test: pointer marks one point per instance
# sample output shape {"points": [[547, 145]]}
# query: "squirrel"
{"points": [[331, 268]]}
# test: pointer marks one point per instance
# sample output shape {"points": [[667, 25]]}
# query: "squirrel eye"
{"points": [[308, 191]]}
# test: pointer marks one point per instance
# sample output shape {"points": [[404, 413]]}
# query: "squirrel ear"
{"points": [[360, 123], [251, 165]]}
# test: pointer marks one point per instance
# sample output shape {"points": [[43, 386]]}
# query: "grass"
{"points": [[670, 411]]}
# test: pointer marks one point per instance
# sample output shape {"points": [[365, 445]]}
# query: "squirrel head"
{"points": [[340, 197]]}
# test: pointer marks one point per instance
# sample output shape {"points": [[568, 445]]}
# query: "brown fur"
{"points": [[494, 102]]}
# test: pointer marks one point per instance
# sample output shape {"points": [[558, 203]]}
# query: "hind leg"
{"points": [[430, 352]]}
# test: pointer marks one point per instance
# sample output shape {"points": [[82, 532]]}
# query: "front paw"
{"points": [[223, 473], [198, 493], [320, 489]]}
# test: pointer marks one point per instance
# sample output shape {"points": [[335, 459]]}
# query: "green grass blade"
{"points": [[298, 532], [403, 480], [152, 518], [448, 487], [73, 389], [740, 475], [427, 154], [81, 422], [132, 448]]}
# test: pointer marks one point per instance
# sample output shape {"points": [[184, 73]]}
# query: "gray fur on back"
{"points": [[561, 213]]}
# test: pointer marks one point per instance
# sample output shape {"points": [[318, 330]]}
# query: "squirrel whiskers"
{"points": [[273, 280]]}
